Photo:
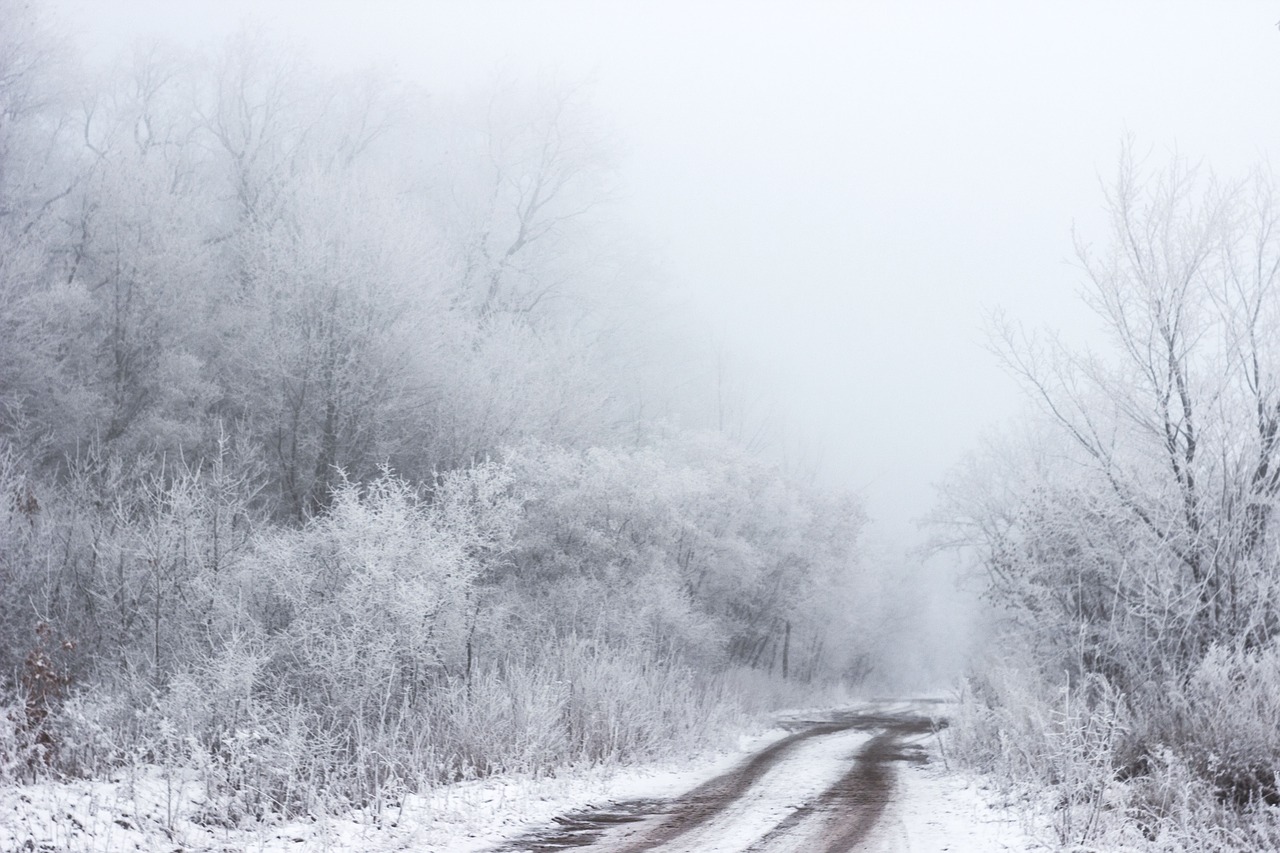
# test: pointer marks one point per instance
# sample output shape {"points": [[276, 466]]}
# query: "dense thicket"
{"points": [[331, 458], [1128, 534]]}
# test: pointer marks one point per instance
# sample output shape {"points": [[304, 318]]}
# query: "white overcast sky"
{"points": [[844, 188]]}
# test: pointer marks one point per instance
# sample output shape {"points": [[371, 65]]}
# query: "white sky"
{"points": [[844, 188]]}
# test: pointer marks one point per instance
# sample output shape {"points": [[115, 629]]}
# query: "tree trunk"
{"points": [[786, 650]]}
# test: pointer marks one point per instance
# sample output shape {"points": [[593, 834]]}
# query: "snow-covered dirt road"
{"points": [[842, 782]]}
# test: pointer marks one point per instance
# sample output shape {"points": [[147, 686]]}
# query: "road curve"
{"points": [[820, 789]]}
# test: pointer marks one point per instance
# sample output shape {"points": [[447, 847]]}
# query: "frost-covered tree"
{"points": [[1127, 534], [38, 185]]}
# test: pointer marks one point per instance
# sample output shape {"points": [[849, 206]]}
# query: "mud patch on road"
{"points": [[583, 828], [854, 804]]}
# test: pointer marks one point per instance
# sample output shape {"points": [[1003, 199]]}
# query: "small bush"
{"points": [[1035, 738]]}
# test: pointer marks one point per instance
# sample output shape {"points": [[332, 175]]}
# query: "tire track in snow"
{"points": [[822, 789], [795, 783]]}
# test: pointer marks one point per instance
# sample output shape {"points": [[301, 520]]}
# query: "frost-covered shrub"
{"points": [[342, 636], [1182, 766], [1034, 736], [365, 609], [555, 608], [619, 705], [101, 728], [20, 757], [1220, 726], [690, 548], [576, 703], [24, 540]]}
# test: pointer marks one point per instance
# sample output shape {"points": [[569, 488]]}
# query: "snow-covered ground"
{"points": [[933, 810], [157, 811], [940, 811]]}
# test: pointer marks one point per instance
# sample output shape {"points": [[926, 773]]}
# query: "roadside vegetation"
{"points": [[1126, 533], [342, 454]]}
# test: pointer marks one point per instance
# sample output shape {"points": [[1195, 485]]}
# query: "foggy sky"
{"points": [[843, 190]]}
